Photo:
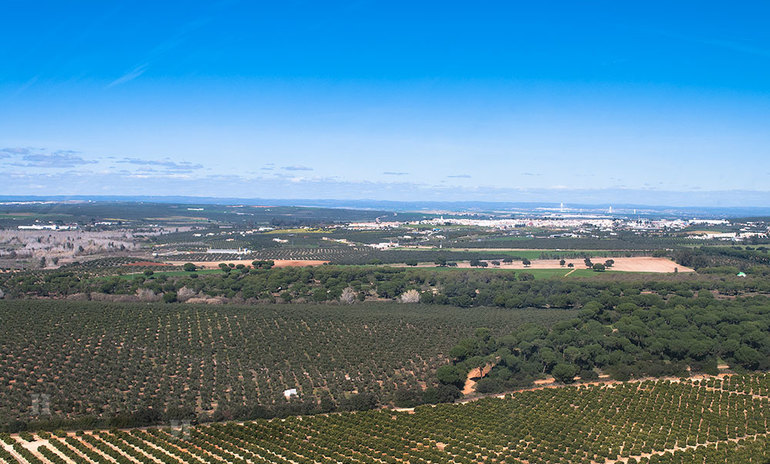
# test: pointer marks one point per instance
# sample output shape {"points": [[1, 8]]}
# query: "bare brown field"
{"points": [[247, 262], [633, 264], [552, 250]]}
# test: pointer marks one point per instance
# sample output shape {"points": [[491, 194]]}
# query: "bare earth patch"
{"points": [[474, 376], [633, 264], [247, 262]]}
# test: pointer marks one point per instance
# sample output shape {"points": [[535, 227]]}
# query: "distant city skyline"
{"points": [[596, 102]]}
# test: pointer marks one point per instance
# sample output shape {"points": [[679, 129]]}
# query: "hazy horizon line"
{"points": [[428, 203]]}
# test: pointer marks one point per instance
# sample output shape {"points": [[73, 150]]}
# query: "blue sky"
{"points": [[387, 100]]}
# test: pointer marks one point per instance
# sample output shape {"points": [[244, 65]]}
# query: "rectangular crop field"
{"points": [[102, 359], [655, 422]]}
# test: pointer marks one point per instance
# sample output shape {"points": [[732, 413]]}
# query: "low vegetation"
{"points": [[256, 283], [624, 336], [651, 422], [133, 364]]}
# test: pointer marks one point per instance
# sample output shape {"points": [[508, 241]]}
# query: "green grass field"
{"points": [[579, 271], [32, 216], [556, 273]]}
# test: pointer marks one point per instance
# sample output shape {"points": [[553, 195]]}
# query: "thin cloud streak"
{"points": [[58, 160], [170, 166], [720, 43], [130, 76]]}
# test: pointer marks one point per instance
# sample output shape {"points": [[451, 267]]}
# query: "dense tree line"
{"points": [[725, 259], [458, 287], [624, 240], [626, 336]]}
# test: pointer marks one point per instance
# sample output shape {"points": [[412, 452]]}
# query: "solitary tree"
{"points": [[525, 276], [169, 297], [450, 375], [564, 373], [526, 262], [189, 267]]}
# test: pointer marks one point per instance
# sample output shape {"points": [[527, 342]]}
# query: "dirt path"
{"points": [[722, 390], [544, 384], [13, 452], [32, 447], [477, 373]]}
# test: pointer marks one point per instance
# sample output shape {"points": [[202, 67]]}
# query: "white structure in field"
{"points": [[48, 227], [289, 393], [239, 251], [383, 245]]}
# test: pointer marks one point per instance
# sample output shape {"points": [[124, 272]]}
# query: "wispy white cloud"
{"points": [[129, 76], [29, 83], [167, 165], [160, 50], [15, 151], [296, 168], [82, 182], [41, 158]]}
